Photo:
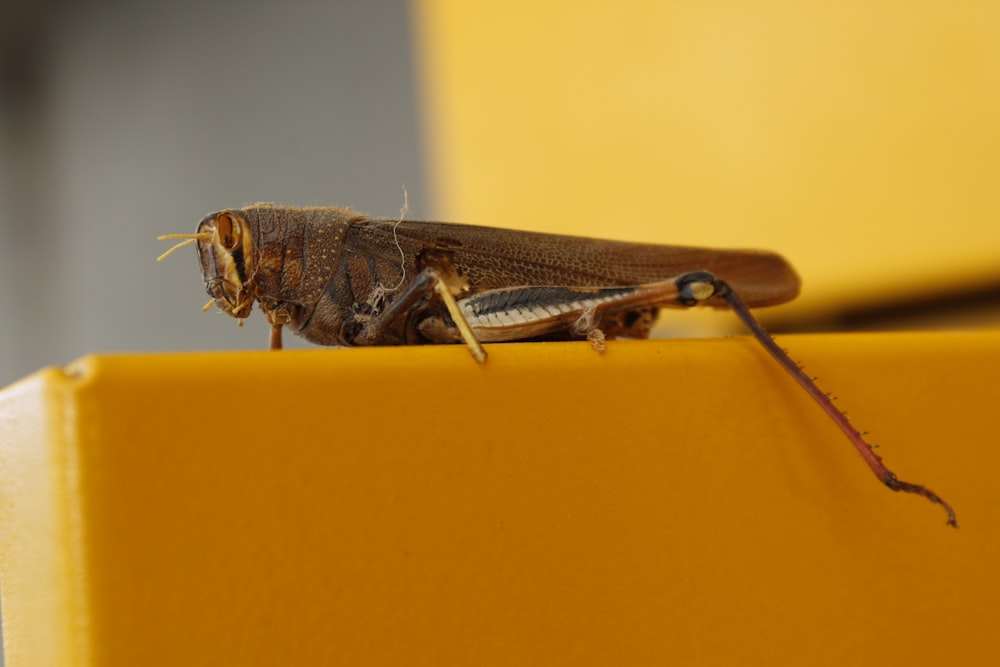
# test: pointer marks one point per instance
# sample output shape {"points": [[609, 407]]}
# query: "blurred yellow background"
{"points": [[859, 139]]}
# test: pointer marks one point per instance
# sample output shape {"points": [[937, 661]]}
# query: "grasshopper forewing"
{"points": [[336, 277]]}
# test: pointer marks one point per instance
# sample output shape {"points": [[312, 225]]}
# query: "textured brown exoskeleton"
{"points": [[336, 277]]}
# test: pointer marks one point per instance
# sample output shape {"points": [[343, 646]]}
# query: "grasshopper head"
{"points": [[225, 248], [226, 253]]}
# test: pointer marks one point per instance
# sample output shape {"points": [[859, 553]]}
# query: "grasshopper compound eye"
{"points": [[227, 232]]}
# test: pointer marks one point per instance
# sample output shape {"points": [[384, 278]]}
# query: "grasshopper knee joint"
{"points": [[697, 287]]}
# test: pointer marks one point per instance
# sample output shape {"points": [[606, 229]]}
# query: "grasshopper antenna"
{"points": [[188, 240], [874, 461]]}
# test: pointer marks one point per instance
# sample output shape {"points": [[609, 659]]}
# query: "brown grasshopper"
{"points": [[336, 277]]}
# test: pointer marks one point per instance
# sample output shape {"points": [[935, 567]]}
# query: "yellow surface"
{"points": [[858, 138], [668, 502]]}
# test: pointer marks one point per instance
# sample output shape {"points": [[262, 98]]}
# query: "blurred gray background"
{"points": [[120, 121]]}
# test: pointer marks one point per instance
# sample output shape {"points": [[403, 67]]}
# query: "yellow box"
{"points": [[667, 502]]}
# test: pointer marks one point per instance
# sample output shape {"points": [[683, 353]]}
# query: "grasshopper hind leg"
{"points": [[701, 286]]}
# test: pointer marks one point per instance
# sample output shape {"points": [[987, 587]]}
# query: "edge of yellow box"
{"points": [[674, 500]]}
